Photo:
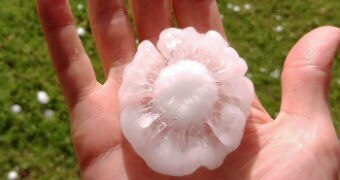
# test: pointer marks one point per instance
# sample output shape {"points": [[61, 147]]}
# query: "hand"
{"points": [[300, 144]]}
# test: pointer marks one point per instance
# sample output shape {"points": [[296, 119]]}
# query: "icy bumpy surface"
{"points": [[184, 104]]}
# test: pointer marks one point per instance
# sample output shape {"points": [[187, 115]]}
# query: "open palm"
{"points": [[300, 144]]}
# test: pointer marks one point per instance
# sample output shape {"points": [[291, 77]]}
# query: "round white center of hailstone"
{"points": [[185, 92]]}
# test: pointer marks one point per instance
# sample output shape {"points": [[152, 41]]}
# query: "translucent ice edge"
{"points": [[184, 103]]}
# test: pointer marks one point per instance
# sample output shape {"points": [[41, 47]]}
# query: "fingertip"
{"points": [[330, 33], [54, 13], [318, 47], [327, 29]]}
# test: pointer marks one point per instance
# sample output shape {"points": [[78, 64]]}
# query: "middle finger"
{"points": [[151, 17], [201, 14], [112, 32]]}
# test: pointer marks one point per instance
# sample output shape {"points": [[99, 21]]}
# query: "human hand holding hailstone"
{"points": [[300, 144]]}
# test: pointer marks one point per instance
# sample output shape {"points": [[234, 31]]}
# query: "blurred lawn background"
{"points": [[39, 147]]}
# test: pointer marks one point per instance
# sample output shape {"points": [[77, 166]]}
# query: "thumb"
{"points": [[307, 73]]}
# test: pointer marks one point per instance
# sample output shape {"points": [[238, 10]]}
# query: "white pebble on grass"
{"points": [[12, 175], [275, 74], [279, 28], [247, 6], [42, 97], [48, 113], [81, 31], [16, 108]]}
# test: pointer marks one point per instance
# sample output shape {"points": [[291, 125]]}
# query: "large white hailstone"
{"points": [[184, 104], [43, 97], [12, 175]]}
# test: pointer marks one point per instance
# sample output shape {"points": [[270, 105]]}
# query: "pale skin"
{"points": [[300, 143]]}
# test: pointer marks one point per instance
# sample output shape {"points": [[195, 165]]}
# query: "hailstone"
{"points": [[43, 97], [184, 103], [12, 175]]}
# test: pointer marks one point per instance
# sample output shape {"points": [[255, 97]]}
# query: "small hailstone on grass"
{"points": [[338, 81], [279, 28], [278, 17], [275, 74], [16, 108], [43, 97], [12, 175], [236, 8], [247, 6], [184, 102], [48, 113], [81, 31], [249, 75], [230, 5], [80, 6], [263, 69]]}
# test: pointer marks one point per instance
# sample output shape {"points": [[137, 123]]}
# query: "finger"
{"points": [[259, 114], [112, 32], [71, 63], [151, 17], [201, 14], [307, 73]]}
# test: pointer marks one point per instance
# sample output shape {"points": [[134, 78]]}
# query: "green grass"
{"points": [[41, 148]]}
